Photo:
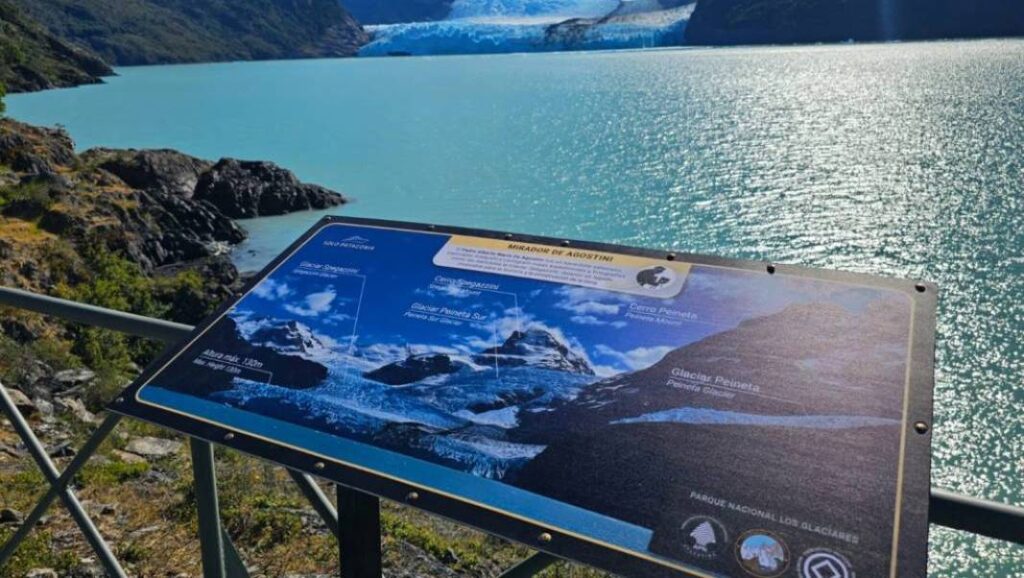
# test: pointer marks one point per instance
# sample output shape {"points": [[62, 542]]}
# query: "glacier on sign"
{"points": [[447, 408]]}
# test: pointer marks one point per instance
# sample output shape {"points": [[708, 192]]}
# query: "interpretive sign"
{"points": [[642, 412]]}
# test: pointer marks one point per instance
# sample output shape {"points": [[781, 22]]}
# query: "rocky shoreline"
{"points": [[160, 209]]}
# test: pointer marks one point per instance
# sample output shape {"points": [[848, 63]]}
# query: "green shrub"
{"points": [[3, 93], [37, 551], [35, 194], [111, 473]]}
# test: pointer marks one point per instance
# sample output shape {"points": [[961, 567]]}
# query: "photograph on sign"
{"points": [[712, 420]]}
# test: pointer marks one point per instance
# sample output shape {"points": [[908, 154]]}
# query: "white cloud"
{"points": [[270, 289], [591, 320], [316, 303], [639, 358], [605, 370], [337, 318], [587, 303]]}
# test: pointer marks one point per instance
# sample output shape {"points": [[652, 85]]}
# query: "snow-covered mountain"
{"points": [[288, 337], [535, 348]]}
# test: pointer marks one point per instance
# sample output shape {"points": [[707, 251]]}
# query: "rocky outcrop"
{"points": [[33, 59], [245, 189], [161, 171], [161, 209], [34, 151]]}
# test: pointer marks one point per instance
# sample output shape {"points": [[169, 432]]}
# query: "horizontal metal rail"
{"points": [[949, 509]]}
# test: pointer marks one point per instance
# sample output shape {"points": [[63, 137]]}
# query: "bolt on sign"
{"points": [[646, 413]]}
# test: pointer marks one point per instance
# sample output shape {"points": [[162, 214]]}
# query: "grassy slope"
{"points": [[130, 32], [33, 59]]}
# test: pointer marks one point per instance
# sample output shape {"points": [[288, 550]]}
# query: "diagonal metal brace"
{"points": [[531, 566], [58, 483], [318, 499]]}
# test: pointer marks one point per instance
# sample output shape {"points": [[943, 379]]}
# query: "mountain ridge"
{"points": [[731, 22], [33, 59], [178, 31]]}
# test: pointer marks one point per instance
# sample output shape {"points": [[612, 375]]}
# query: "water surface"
{"points": [[901, 159]]}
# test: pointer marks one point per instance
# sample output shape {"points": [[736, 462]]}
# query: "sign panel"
{"points": [[648, 414]]}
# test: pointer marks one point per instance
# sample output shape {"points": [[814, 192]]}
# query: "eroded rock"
{"points": [[151, 447]]}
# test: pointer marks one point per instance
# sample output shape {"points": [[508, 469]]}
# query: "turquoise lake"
{"points": [[900, 159]]}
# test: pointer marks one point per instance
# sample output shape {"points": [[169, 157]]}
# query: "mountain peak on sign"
{"points": [[537, 347], [289, 337]]}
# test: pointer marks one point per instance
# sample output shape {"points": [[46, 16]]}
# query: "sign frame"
{"points": [[909, 548]]}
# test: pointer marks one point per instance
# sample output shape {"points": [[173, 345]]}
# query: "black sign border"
{"points": [[910, 541]]}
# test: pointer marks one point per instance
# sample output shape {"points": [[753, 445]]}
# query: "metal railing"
{"points": [[220, 557]]}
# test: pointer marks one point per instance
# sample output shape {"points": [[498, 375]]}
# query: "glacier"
{"points": [[479, 33], [461, 419], [703, 416], [464, 9]]}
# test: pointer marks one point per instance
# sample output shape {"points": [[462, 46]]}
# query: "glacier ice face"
{"points": [[481, 35], [460, 419], [463, 9]]}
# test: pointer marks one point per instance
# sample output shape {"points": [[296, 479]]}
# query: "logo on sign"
{"points": [[655, 277], [704, 537], [354, 242], [825, 564], [762, 554]]}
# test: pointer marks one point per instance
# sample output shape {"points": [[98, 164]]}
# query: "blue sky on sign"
{"points": [[380, 275]]}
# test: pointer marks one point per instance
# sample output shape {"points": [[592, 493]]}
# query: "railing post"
{"points": [[211, 537], [359, 534]]}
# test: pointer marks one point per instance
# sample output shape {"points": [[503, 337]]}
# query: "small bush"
{"points": [[37, 551], [111, 473]]}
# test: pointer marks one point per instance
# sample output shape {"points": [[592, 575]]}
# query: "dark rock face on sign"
{"points": [[624, 433], [244, 189], [274, 367], [415, 368]]}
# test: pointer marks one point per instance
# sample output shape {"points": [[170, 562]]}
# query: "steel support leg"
{"points": [[211, 537], [359, 534], [58, 486]]}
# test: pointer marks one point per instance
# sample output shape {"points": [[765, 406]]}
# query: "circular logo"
{"points": [[762, 554], [655, 277], [704, 537], [821, 563]]}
